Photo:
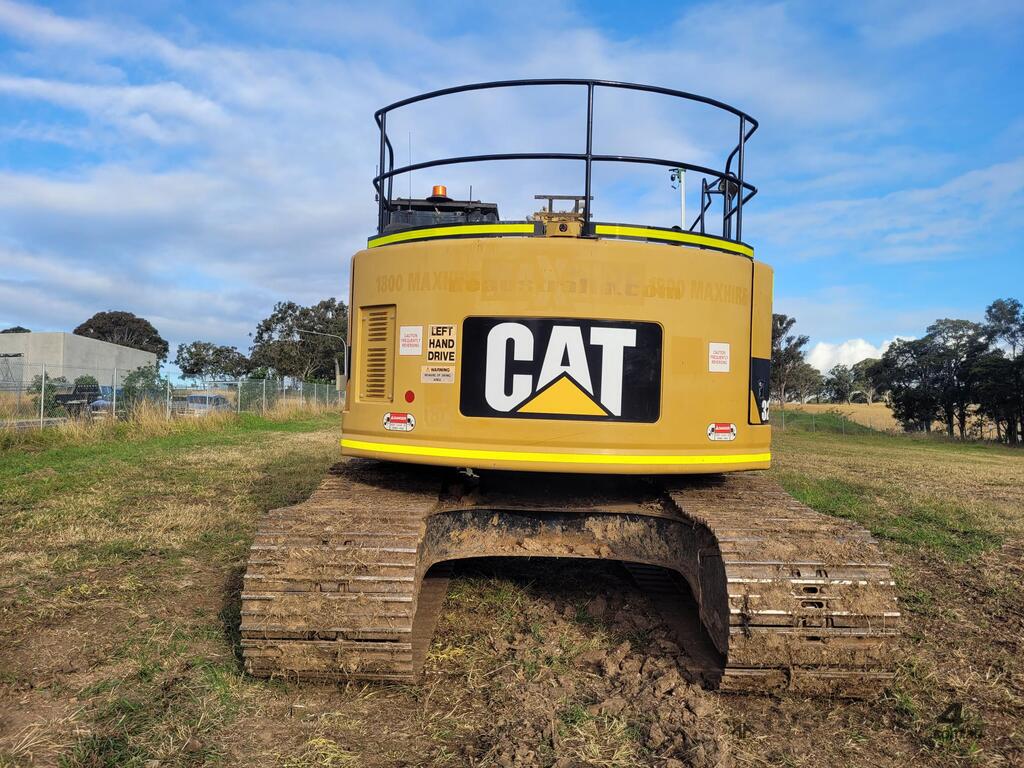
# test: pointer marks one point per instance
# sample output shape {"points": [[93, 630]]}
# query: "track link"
{"points": [[333, 583], [812, 607], [341, 586]]}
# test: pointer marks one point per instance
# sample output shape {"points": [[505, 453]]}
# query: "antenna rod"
{"points": [[682, 198]]}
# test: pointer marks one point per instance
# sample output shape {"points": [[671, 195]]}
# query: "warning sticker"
{"points": [[410, 340], [437, 374], [721, 430], [399, 422], [718, 357], [441, 345]]}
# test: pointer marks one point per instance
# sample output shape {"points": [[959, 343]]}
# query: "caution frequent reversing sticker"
{"points": [[718, 357], [410, 340]]}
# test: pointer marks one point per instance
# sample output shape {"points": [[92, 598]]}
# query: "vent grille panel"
{"points": [[377, 326]]}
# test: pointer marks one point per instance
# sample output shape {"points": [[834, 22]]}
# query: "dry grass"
{"points": [[120, 562], [147, 420], [13, 406], [289, 408], [876, 416], [325, 753], [606, 742]]}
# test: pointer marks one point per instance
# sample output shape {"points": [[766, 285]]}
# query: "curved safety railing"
{"points": [[727, 183]]}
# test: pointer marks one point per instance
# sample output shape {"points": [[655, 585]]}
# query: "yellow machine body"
{"points": [[494, 350]]}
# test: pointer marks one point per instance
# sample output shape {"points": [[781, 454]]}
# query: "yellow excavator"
{"points": [[561, 386]]}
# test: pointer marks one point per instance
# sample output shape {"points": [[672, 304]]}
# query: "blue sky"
{"points": [[195, 163]]}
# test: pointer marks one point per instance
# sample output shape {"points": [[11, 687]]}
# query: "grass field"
{"points": [[875, 416], [120, 566]]}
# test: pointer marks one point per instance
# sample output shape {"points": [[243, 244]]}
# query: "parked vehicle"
{"points": [[202, 404], [101, 406]]}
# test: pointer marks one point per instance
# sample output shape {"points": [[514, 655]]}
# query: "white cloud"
{"points": [[911, 22], [137, 109], [40, 24], [833, 313], [929, 223], [824, 356]]}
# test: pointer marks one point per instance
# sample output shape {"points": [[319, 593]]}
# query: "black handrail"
{"points": [[728, 181]]}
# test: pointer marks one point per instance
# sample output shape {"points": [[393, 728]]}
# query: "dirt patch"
{"points": [[586, 673], [534, 663]]}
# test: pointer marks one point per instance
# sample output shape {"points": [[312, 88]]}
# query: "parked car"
{"points": [[102, 406], [200, 405]]}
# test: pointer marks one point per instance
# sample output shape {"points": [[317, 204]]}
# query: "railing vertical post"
{"points": [[168, 387], [114, 406], [682, 197], [42, 394], [380, 188], [739, 171], [704, 195], [589, 161], [391, 167], [726, 208], [264, 396]]}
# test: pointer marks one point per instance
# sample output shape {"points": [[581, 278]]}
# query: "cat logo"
{"points": [[554, 368]]}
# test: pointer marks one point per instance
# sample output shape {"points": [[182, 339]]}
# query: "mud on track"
{"points": [[336, 587]]}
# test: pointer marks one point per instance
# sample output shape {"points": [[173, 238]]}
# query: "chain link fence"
{"points": [[862, 418], [35, 395], [834, 420]]}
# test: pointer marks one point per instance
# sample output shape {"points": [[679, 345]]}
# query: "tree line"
{"points": [[959, 376], [296, 341]]}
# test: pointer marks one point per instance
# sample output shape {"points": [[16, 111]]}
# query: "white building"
{"points": [[23, 355]]}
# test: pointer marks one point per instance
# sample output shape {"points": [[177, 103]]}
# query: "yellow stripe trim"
{"points": [[552, 458], [676, 237], [461, 229]]}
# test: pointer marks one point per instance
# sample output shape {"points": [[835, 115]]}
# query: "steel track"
{"points": [[343, 585]]}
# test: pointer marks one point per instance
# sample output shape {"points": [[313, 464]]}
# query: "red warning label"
{"points": [[399, 422], [721, 430]]}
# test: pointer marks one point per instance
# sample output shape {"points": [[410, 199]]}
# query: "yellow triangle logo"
{"points": [[564, 397]]}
